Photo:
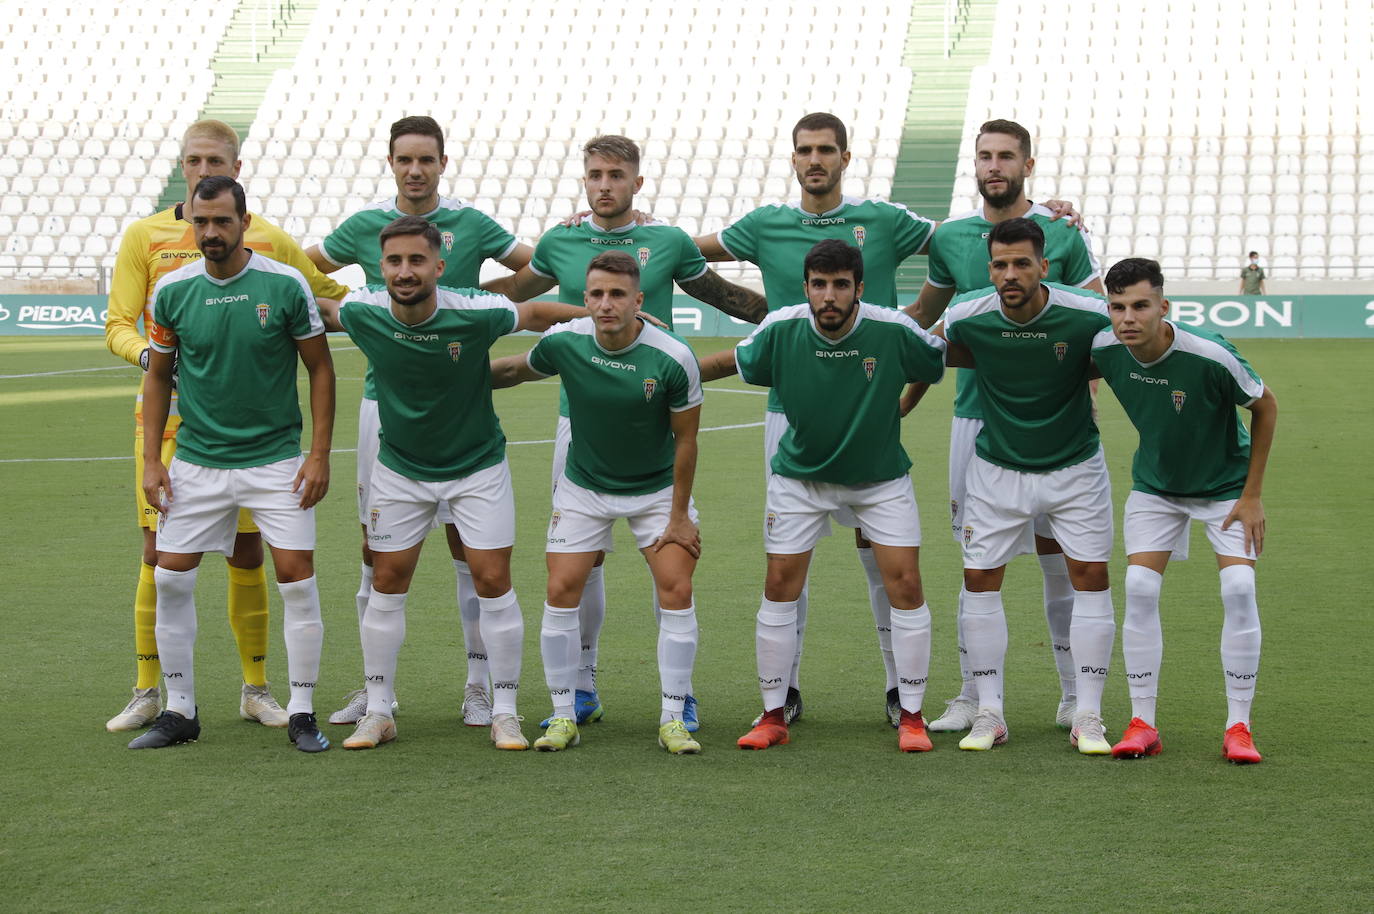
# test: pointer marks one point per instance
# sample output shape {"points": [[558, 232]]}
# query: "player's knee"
{"points": [[675, 594], [293, 565], [1238, 582], [491, 582], [1089, 576], [904, 590], [980, 580], [564, 591]]}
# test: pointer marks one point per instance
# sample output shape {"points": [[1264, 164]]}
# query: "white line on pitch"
{"points": [[46, 374]]}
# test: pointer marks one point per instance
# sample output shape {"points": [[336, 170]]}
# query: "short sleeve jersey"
{"points": [[778, 237], [1032, 378], [666, 254], [841, 397], [467, 237], [1250, 278], [620, 404], [959, 259], [236, 345], [434, 380], [1183, 404]]}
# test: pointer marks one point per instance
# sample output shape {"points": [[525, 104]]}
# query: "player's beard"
{"points": [[409, 297], [1007, 197], [219, 253], [1026, 294], [833, 317], [832, 181]]}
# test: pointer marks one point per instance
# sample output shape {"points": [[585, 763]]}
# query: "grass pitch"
{"points": [[837, 820]]}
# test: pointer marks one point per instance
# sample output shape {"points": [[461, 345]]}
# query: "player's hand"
{"points": [[157, 486], [312, 479], [1249, 512], [650, 319], [683, 532], [1063, 209]]}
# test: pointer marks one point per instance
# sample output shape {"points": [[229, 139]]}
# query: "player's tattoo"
{"points": [[727, 297]]}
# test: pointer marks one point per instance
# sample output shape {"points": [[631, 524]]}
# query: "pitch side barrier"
{"points": [[1235, 316]]}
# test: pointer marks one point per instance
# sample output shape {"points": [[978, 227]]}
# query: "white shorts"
{"points": [[1002, 503], [562, 437], [582, 519], [963, 435], [369, 443], [1154, 523], [774, 427], [402, 512], [798, 512], [205, 507]]}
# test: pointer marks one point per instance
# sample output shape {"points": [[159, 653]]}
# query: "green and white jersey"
{"points": [[841, 397], [236, 345], [620, 403], [666, 254], [467, 237], [1033, 378], [959, 259], [1183, 404], [434, 380], [778, 237]]}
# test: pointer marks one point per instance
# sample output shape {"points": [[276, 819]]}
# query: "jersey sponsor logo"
{"points": [[650, 385], [455, 349], [1061, 350], [644, 256], [835, 354], [416, 337], [179, 255], [612, 363], [1024, 335], [825, 220], [264, 311], [860, 233], [611, 240], [226, 299], [447, 239], [1136, 376], [870, 363], [1179, 396]]}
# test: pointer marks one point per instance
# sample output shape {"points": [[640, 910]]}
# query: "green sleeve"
{"points": [[493, 240], [305, 320], [741, 238], [541, 262], [690, 263], [923, 360], [909, 231], [341, 245], [539, 356], [938, 271], [1078, 264], [752, 356]]}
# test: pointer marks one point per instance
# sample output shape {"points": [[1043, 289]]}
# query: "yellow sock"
{"points": [[248, 619], [145, 630]]}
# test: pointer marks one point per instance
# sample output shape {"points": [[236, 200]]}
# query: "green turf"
{"points": [[837, 820]]}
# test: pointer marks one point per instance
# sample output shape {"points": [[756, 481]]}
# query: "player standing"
{"points": [[1196, 461], [634, 402], [236, 321], [838, 365], [666, 254], [959, 264], [1037, 453], [441, 443], [468, 238], [150, 249]]}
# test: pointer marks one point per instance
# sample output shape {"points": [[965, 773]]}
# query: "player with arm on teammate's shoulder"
{"points": [[151, 248], [838, 365], [634, 403], [441, 444], [237, 322], [468, 238], [1196, 461]]}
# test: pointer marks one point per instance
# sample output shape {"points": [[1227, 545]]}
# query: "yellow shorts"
{"points": [[147, 514]]}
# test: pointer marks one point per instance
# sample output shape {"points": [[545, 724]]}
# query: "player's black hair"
{"points": [[215, 185], [834, 256], [420, 124], [1016, 230], [615, 262], [1010, 128], [1132, 270], [411, 225], [1253, 254], [821, 120]]}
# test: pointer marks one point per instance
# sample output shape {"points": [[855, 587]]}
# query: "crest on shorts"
{"points": [[870, 363], [770, 519], [372, 516], [1061, 350], [264, 309], [953, 508], [1179, 396], [447, 239], [455, 349], [554, 518], [650, 385], [968, 534], [860, 233], [644, 256]]}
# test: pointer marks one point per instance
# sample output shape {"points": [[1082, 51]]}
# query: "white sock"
{"points": [[503, 632], [384, 629], [1092, 634], [470, 614], [985, 637], [882, 613], [1059, 616], [593, 616], [911, 645], [802, 603], [967, 689], [364, 590], [1240, 640], [1142, 639], [775, 643], [677, 652], [558, 643], [176, 628], [303, 629], [658, 621]]}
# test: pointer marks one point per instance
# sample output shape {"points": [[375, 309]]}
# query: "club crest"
{"points": [[650, 385], [455, 349], [860, 233], [968, 534], [953, 508], [373, 515], [554, 518], [1179, 396], [770, 519], [263, 311], [447, 239], [644, 256], [870, 363], [1061, 350]]}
